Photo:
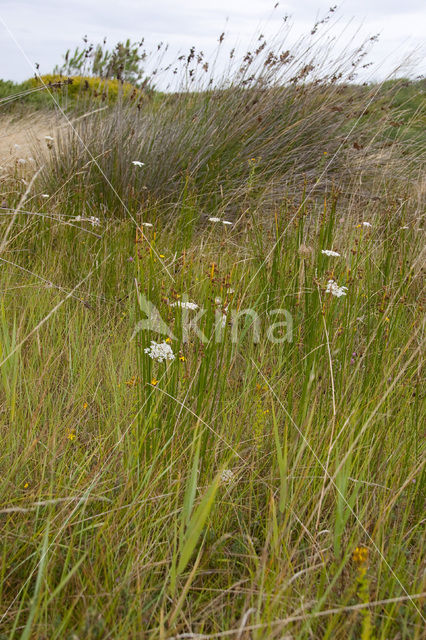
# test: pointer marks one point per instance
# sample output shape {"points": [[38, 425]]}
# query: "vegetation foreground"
{"points": [[251, 464]]}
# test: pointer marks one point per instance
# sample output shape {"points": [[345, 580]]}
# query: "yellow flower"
{"points": [[360, 555], [162, 255], [71, 435], [182, 358], [85, 405], [154, 382], [26, 485], [168, 340]]}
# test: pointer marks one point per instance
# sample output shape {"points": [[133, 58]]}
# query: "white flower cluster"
{"points": [[335, 290], [227, 476], [223, 318], [219, 220], [329, 252], [185, 305], [146, 224], [367, 224], [138, 163], [160, 351], [95, 222]]}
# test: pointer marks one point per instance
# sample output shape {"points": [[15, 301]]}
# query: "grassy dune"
{"points": [[268, 481]]}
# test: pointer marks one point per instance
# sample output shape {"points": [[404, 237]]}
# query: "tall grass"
{"points": [[248, 488], [293, 113]]}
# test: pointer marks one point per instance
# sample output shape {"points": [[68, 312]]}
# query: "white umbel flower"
{"points": [[227, 476], [146, 224], [335, 290], [329, 252], [226, 222], [160, 351], [138, 163], [185, 305], [49, 138], [367, 224], [95, 222]]}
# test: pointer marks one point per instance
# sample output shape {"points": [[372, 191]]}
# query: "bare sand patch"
{"points": [[20, 134]]}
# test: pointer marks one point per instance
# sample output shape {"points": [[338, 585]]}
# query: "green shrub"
{"points": [[101, 89]]}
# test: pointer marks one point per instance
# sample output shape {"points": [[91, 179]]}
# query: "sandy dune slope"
{"points": [[18, 135]]}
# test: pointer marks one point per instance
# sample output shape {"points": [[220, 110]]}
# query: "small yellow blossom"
{"points": [[182, 358], [168, 340], [71, 435], [85, 405], [360, 555], [154, 382], [26, 485], [162, 255]]}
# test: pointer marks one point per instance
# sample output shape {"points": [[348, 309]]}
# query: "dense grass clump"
{"points": [[281, 132], [265, 480]]}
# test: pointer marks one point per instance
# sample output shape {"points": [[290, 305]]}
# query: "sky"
{"points": [[40, 31]]}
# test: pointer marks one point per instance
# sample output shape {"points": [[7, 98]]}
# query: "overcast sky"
{"points": [[42, 30]]}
